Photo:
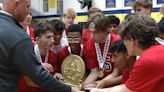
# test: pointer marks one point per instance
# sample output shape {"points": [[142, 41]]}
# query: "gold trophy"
{"points": [[73, 70]]}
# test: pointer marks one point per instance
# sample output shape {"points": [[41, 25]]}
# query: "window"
{"points": [[45, 6], [60, 7], [129, 2], [160, 1], [110, 3]]}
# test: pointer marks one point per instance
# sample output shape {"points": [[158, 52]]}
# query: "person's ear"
{"points": [[148, 11], [37, 39], [136, 44], [17, 2], [133, 42]]}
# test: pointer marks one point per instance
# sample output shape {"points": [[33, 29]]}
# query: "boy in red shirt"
{"points": [[59, 42], [123, 66], [69, 16], [115, 21], [139, 32], [75, 46], [44, 40], [96, 50], [91, 13]]}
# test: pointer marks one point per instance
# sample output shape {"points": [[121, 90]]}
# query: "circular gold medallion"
{"points": [[73, 70], [101, 73]]}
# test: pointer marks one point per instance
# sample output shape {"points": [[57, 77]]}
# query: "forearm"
{"points": [[113, 81], [114, 74], [119, 88], [113, 78], [92, 77], [48, 82]]}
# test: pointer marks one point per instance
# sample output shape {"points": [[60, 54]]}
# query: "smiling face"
{"points": [[74, 40]]}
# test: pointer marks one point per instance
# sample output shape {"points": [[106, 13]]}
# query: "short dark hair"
{"points": [[42, 28], [118, 47], [141, 28], [114, 20], [75, 28], [143, 3], [58, 25]]}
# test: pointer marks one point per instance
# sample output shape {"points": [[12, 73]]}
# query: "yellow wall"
{"points": [[52, 4], [156, 15]]}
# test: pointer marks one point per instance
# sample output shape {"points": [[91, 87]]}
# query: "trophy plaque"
{"points": [[73, 70]]}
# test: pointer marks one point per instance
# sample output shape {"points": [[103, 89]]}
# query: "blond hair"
{"points": [[93, 10], [69, 11]]}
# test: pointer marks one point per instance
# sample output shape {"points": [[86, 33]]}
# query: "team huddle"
{"points": [[117, 57]]}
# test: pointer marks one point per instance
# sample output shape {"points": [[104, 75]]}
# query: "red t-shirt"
{"points": [[125, 75], [148, 71], [127, 69], [23, 86], [90, 56], [31, 34], [86, 35]]}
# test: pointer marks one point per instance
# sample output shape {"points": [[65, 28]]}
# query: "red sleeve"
{"points": [[114, 38], [61, 55], [90, 57], [142, 78], [85, 36], [53, 60], [32, 35], [31, 32], [125, 75]]}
